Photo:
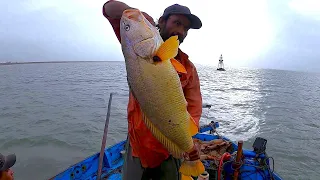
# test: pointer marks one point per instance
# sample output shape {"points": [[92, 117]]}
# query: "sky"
{"points": [[249, 33]]}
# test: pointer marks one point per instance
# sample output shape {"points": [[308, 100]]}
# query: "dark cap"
{"points": [[183, 10], [7, 162]]}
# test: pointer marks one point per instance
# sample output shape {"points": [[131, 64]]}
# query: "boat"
{"points": [[249, 164], [220, 65]]}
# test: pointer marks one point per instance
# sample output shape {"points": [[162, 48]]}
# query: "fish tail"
{"points": [[184, 177], [192, 168]]}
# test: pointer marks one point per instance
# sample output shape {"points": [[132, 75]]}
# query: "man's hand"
{"points": [[114, 9], [194, 154]]}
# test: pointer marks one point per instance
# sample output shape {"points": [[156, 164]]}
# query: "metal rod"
{"points": [[104, 139]]}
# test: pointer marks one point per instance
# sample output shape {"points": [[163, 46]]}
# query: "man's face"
{"points": [[7, 175], [175, 25]]}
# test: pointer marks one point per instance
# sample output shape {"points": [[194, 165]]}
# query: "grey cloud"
{"points": [[48, 35], [51, 34], [297, 42]]}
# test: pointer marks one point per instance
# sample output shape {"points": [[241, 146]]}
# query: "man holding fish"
{"points": [[165, 102]]}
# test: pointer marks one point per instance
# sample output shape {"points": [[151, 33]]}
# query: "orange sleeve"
{"points": [[115, 23], [193, 96]]}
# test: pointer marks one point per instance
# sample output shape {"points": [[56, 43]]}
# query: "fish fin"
{"points": [[184, 177], [168, 49], [178, 66], [193, 128], [191, 168], [172, 147]]}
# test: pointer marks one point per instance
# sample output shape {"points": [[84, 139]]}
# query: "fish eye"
{"points": [[127, 27]]}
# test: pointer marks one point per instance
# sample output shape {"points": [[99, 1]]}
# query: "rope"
{"points": [[221, 164]]}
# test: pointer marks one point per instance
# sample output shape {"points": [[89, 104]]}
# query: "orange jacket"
{"points": [[144, 145]]}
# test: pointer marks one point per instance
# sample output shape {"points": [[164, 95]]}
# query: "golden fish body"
{"points": [[156, 85], [159, 93]]}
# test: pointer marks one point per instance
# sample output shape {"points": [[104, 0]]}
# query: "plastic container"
{"points": [[204, 176]]}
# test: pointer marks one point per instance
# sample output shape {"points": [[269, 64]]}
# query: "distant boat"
{"points": [[220, 65]]}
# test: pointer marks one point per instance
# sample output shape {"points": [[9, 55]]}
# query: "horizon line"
{"points": [[87, 61]]}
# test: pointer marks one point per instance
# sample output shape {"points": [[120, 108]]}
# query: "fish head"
{"points": [[138, 36]]}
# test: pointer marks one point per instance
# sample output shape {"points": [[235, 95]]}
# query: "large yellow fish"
{"points": [[153, 79]]}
